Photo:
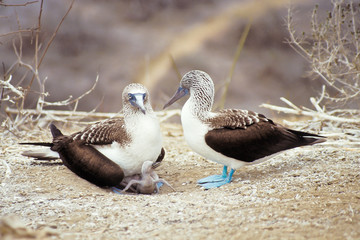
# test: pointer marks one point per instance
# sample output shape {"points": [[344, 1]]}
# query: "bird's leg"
{"points": [[120, 191], [132, 181], [162, 181], [159, 182], [117, 189], [155, 177], [225, 180], [229, 177], [147, 183], [214, 178]]}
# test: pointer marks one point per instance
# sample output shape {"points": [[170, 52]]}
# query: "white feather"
{"points": [[43, 152], [145, 145]]}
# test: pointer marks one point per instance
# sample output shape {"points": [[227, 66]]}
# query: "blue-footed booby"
{"points": [[231, 137], [107, 151]]}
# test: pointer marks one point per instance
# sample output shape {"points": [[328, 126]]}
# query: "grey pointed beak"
{"points": [[137, 100], [181, 92]]}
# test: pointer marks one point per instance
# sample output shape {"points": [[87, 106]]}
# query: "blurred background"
{"points": [[128, 41]]}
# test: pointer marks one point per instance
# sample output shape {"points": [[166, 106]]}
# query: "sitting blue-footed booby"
{"points": [[232, 137], [107, 151]]}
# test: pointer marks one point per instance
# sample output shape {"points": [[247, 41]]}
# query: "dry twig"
{"points": [[310, 113], [340, 125], [232, 69], [16, 95], [332, 50], [17, 5]]}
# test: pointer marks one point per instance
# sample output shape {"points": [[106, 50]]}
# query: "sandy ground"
{"points": [[305, 193]]}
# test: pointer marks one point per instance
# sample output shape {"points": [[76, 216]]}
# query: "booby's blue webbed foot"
{"points": [[211, 179], [214, 178], [224, 179], [215, 184], [117, 190]]}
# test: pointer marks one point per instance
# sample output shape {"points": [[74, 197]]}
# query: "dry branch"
{"points": [[340, 126], [17, 5], [16, 32], [308, 112], [15, 95], [332, 50], [163, 115], [55, 32], [236, 58], [6, 85]]}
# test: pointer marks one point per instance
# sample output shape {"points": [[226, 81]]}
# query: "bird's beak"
{"points": [[138, 101], [181, 92]]}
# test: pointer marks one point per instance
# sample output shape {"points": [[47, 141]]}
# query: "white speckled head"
{"points": [[136, 99], [201, 89], [196, 80]]}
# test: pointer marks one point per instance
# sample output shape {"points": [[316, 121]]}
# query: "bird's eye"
{"points": [[144, 96], [130, 96]]}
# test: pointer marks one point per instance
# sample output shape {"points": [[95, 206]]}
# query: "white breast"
{"points": [[145, 145], [194, 133]]}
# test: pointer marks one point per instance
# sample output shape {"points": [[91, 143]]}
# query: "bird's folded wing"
{"points": [[256, 141], [236, 118], [104, 132]]}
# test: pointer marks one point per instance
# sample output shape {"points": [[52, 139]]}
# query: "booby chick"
{"points": [[231, 137], [115, 147], [146, 183]]}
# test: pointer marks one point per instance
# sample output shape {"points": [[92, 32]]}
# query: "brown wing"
{"points": [[257, 140], [87, 162], [104, 132]]}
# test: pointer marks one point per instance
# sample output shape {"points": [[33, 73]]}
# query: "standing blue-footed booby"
{"points": [[231, 137], [106, 152]]}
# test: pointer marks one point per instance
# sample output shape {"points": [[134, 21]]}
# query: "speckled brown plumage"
{"points": [[235, 118], [104, 132]]}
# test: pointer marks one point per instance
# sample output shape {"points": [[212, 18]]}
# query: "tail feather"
{"points": [[45, 144], [55, 131], [309, 138], [41, 154], [314, 140]]}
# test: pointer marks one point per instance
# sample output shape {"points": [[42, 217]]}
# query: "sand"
{"points": [[305, 193]]}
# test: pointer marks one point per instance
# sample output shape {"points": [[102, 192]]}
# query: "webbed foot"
{"points": [[216, 180]]}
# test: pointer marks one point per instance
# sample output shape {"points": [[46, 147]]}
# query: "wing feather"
{"points": [[104, 132], [235, 118], [248, 136]]}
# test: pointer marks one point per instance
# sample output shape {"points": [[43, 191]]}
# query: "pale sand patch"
{"points": [[305, 193]]}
